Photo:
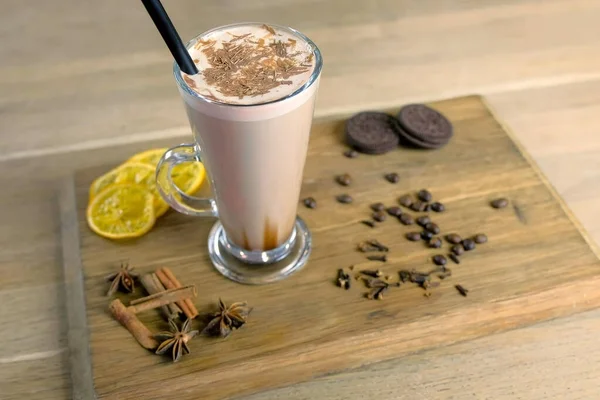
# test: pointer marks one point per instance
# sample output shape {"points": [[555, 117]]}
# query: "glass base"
{"points": [[259, 267]]}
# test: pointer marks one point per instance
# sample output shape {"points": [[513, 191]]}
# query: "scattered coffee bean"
{"points": [[433, 228], [343, 279], [468, 244], [404, 275], [435, 243], [463, 291], [344, 199], [480, 238], [405, 200], [413, 236], [457, 249], [372, 273], [372, 283], [453, 238], [427, 207], [426, 236], [439, 259], [379, 216], [420, 279], [392, 177], [344, 179], [423, 220], [382, 258], [427, 294], [310, 202], [368, 223], [424, 195], [377, 207], [377, 293], [406, 219], [438, 207], [499, 203], [447, 272], [454, 258], [351, 153], [371, 245], [418, 206], [394, 211]]}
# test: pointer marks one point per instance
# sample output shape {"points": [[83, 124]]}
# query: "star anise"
{"points": [[227, 319], [124, 279], [176, 339]]}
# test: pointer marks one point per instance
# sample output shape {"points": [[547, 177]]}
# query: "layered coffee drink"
{"points": [[251, 108]]}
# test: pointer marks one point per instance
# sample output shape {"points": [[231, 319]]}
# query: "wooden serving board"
{"points": [[537, 265]]}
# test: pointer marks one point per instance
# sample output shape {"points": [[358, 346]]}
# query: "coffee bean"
{"points": [[453, 238], [418, 206], [394, 211], [379, 216], [426, 236], [405, 200], [344, 180], [463, 291], [427, 207], [433, 228], [423, 220], [457, 249], [480, 238], [446, 272], [499, 203], [344, 199], [413, 236], [406, 219], [435, 243], [351, 153], [438, 207], [392, 177], [454, 258], [424, 195], [377, 207], [309, 202], [368, 223], [468, 244], [439, 259]]}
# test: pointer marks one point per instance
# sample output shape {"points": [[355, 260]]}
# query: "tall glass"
{"points": [[254, 155]]}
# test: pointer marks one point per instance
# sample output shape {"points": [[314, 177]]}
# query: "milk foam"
{"points": [[303, 53]]}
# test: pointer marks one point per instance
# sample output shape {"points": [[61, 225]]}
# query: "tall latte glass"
{"points": [[250, 109]]}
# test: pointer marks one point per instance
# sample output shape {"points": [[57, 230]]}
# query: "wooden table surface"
{"points": [[89, 83]]}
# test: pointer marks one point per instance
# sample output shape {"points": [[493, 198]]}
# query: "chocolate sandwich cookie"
{"points": [[372, 132], [424, 127]]}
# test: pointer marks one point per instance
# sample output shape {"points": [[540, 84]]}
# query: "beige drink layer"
{"points": [[255, 147]]}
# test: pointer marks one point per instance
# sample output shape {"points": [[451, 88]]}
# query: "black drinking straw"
{"points": [[170, 36]]}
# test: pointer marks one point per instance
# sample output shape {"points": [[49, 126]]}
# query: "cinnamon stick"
{"points": [[133, 324], [161, 298], [173, 279], [151, 287], [174, 307], [170, 285]]}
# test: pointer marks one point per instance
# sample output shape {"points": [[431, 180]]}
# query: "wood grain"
{"points": [[116, 70], [102, 90], [537, 266]]}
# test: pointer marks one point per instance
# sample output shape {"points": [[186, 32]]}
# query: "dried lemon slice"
{"points": [[122, 211], [133, 172], [187, 176], [150, 157]]}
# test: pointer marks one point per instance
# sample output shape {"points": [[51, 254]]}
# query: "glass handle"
{"points": [[175, 197]]}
